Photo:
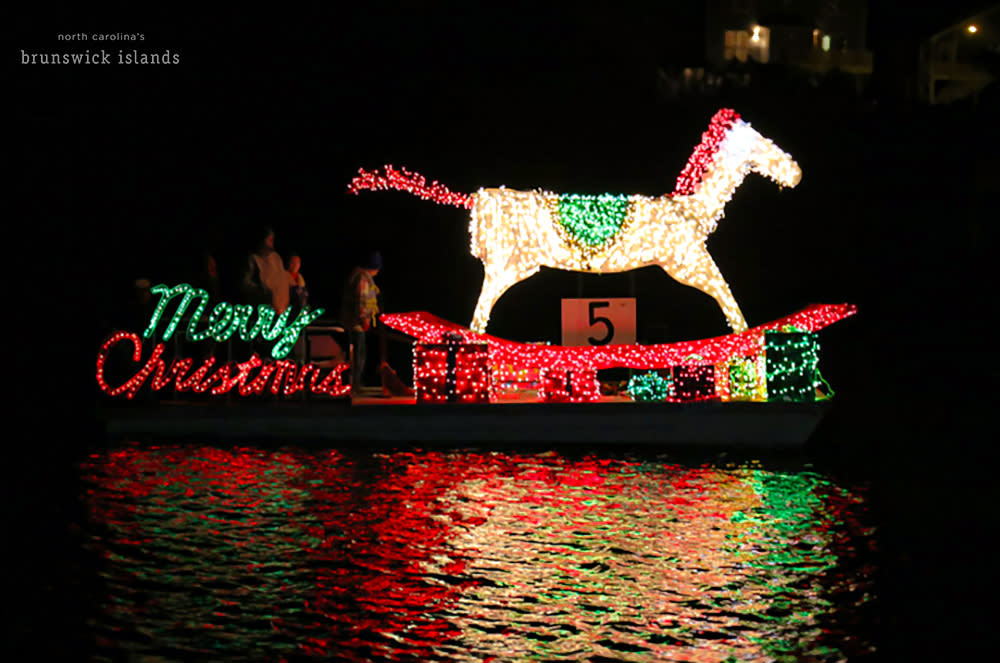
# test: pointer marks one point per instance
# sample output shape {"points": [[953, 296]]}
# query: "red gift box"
{"points": [[694, 382], [569, 386], [451, 372]]}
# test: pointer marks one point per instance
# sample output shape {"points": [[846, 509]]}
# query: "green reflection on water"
{"points": [[790, 530], [543, 557]]}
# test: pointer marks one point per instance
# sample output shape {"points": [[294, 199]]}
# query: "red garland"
{"points": [[414, 183], [701, 159], [425, 326], [228, 376]]}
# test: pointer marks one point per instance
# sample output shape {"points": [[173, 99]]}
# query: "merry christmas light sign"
{"points": [[227, 319], [515, 233], [253, 376]]}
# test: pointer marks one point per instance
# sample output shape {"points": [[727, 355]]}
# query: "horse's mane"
{"points": [[698, 163]]}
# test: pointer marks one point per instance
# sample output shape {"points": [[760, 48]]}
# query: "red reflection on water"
{"points": [[384, 565], [399, 554]]}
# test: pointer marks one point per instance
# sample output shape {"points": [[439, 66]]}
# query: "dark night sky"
{"points": [[132, 170], [265, 122]]}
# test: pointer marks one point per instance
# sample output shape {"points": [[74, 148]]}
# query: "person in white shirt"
{"points": [[266, 281]]}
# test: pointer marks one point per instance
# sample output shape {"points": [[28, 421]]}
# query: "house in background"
{"points": [[959, 60], [814, 35]]}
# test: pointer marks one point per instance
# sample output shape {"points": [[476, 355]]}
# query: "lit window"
{"points": [[736, 45], [826, 42]]}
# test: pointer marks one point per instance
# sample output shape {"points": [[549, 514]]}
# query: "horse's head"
{"points": [[760, 155]]}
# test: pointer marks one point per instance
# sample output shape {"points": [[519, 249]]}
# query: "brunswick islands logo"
{"points": [[99, 56]]}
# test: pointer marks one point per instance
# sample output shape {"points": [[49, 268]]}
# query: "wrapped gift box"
{"points": [[509, 380], [452, 371], [791, 360], [694, 382], [742, 379], [651, 386], [569, 386]]}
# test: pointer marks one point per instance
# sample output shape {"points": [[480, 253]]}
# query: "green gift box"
{"points": [[791, 363]]}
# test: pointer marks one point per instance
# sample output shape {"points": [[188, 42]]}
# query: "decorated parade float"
{"points": [[758, 385]]}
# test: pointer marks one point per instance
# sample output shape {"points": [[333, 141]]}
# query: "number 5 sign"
{"points": [[598, 321]]}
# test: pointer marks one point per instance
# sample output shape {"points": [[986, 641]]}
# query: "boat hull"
{"points": [[731, 424]]}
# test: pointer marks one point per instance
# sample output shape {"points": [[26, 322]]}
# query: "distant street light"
{"points": [[972, 29]]}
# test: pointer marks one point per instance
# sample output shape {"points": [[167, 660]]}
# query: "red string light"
{"points": [[282, 375], [404, 180], [427, 327], [694, 383], [704, 153], [569, 373], [569, 386], [465, 378]]}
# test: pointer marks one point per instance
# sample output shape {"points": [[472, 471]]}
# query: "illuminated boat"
{"points": [[731, 416], [756, 386]]}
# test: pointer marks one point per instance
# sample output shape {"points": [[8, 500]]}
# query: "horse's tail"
{"points": [[404, 180]]}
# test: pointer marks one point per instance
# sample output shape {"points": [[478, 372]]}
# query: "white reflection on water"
{"points": [[256, 554]]}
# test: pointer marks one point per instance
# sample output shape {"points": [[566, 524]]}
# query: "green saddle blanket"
{"points": [[591, 220]]}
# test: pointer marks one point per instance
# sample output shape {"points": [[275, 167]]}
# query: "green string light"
{"points": [[828, 392], [591, 225], [227, 319], [810, 363], [791, 363], [649, 386], [592, 220]]}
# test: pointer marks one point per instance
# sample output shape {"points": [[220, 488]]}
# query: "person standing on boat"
{"points": [[359, 310], [298, 295], [265, 280]]}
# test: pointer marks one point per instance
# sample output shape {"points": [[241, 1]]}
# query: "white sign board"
{"points": [[598, 321]]}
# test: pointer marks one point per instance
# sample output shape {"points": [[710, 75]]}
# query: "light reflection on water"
{"points": [[260, 554]]}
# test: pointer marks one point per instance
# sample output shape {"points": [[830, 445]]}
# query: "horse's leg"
{"points": [[699, 271], [497, 280]]}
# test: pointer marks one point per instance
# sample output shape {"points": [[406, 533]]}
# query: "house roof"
{"points": [[964, 12], [933, 21], [899, 21]]}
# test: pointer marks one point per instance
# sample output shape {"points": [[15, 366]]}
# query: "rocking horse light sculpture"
{"points": [[515, 233]]}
